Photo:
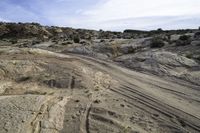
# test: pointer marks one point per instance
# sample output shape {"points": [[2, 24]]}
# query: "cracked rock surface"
{"points": [[49, 92]]}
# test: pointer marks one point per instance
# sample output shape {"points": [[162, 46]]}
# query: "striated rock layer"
{"points": [[48, 92]]}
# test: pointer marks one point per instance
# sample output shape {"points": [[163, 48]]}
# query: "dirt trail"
{"points": [[152, 93], [83, 94]]}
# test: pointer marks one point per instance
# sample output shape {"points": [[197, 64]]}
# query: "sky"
{"points": [[105, 14]]}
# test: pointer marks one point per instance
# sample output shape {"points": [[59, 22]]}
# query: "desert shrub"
{"points": [[131, 50], [83, 42], [36, 24], [89, 37], [182, 43], [76, 39], [183, 40], [14, 41], [36, 42], [159, 29], [157, 42], [102, 40], [197, 35]]}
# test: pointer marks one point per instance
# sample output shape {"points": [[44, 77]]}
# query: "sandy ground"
{"points": [[46, 92]]}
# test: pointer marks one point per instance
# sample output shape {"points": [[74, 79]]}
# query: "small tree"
{"points": [[159, 29]]}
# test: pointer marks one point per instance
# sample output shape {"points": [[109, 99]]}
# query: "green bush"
{"points": [[76, 39], [14, 41], [183, 40], [102, 40], [157, 43], [131, 50], [36, 42], [182, 43], [197, 35]]}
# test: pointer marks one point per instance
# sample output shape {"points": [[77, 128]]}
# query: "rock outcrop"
{"points": [[105, 82]]}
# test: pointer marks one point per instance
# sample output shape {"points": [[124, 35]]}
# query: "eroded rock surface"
{"points": [[84, 94], [64, 80]]}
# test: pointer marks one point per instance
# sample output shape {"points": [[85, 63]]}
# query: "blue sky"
{"points": [[104, 14]]}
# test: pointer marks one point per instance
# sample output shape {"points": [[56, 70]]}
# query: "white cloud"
{"points": [[106, 14], [140, 14], [120, 9]]}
